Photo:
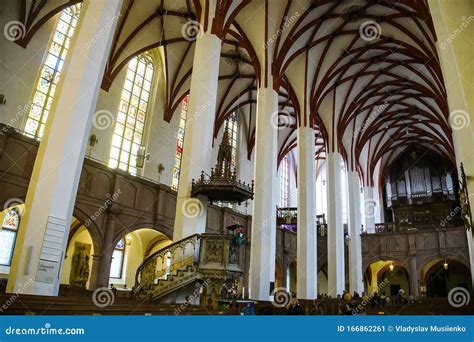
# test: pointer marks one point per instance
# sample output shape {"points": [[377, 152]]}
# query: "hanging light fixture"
{"points": [[391, 267]]}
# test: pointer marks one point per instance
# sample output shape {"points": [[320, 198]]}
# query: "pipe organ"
{"points": [[420, 190]]}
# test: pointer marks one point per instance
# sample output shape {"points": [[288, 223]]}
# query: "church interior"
{"points": [[236, 157]]}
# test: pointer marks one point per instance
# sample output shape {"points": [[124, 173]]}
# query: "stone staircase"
{"points": [[198, 266]]}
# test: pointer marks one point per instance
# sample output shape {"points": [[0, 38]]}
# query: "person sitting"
{"points": [[400, 299], [365, 298], [375, 301], [383, 299], [293, 308], [346, 296], [356, 295]]}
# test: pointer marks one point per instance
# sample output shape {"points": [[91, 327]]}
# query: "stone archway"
{"points": [[441, 275], [82, 248], [386, 277]]}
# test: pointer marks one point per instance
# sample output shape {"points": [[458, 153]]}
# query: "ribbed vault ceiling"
{"points": [[375, 82]]}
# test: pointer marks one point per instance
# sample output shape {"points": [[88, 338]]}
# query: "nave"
{"points": [[235, 156]]}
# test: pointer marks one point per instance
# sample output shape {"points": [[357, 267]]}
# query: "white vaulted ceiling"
{"points": [[375, 79]]}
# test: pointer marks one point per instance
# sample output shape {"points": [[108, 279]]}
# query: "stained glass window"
{"points": [[130, 125], [50, 71], [10, 224], [284, 182], [116, 267], [232, 126], [179, 142]]}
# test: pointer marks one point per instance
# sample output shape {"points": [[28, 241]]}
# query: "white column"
{"points": [[263, 235], [455, 64], [306, 273], [356, 282], [44, 228], [197, 146], [336, 278], [369, 209]]}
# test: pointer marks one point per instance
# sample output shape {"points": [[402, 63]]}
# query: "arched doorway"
{"points": [[130, 251], [387, 277], [442, 275], [81, 247]]}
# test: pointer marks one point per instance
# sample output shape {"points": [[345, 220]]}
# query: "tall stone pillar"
{"points": [[306, 273], [263, 235], [369, 207], [456, 59], [197, 146], [107, 252], [95, 271], [414, 277], [44, 227], [336, 276], [356, 281]]}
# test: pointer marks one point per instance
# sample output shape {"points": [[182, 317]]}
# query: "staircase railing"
{"points": [[151, 269]]}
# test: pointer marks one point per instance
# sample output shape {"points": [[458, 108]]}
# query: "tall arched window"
{"points": [[50, 71], [179, 142], [284, 182], [8, 232], [116, 267], [232, 125], [130, 125]]}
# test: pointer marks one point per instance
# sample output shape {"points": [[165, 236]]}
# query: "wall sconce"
{"points": [[391, 267], [445, 265], [161, 168], [142, 156], [128, 239], [93, 140]]}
